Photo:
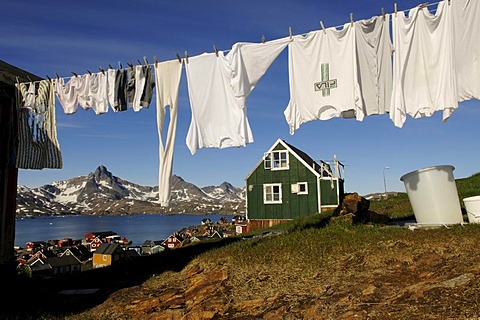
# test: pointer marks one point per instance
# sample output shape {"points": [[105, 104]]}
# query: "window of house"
{"points": [[300, 188], [272, 193], [276, 160]]}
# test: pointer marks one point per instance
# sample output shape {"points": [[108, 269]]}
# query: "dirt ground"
{"points": [[415, 274]]}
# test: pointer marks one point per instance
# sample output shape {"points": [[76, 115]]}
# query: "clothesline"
{"points": [[216, 50]]}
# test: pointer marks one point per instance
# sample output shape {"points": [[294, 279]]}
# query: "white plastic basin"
{"points": [[433, 195]]}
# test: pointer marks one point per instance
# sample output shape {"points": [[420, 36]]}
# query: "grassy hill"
{"points": [[318, 268]]}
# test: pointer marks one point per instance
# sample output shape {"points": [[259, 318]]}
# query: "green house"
{"points": [[288, 184]]}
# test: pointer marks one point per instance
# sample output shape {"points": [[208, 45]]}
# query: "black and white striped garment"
{"points": [[38, 146]]}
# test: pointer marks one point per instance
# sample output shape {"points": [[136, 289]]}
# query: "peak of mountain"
{"points": [[102, 193]]}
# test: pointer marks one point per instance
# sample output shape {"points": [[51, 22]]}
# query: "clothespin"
{"points": [[351, 19], [178, 57], [139, 62], [395, 8], [120, 65], [155, 60], [146, 61], [101, 69], [76, 75], [29, 79], [423, 5], [383, 13], [186, 56], [130, 65], [18, 79], [110, 66], [263, 38], [290, 32], [56, 74], [89, 72], [215, 49], [323, 27], [48, 77]]}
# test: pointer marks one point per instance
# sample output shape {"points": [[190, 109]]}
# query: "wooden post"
{"points": [[8, 180], [9, 75]]}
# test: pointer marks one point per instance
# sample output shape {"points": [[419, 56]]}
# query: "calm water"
{"points": [[136, 228]]}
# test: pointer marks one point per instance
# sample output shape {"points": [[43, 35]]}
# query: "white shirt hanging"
{"points": [[323, 77], [423, 70], [218, 87]]}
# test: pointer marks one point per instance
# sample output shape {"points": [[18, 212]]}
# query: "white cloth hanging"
{"points": [[67, 94], [323, 77], [466, 27], [374, 57], [167, 82], [218, 88], [423, 70]]}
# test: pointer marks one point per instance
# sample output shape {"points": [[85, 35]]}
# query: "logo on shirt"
{"points": [[326, 84]]}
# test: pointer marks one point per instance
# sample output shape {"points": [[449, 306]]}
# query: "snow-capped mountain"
{"points": [[102, 193]]}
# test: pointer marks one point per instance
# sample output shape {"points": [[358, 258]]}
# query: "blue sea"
{"points": [[136, 228]]}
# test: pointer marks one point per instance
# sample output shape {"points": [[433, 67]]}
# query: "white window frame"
{"points": [[282, 162], [268, 189], [267, 161], [299, 187]]}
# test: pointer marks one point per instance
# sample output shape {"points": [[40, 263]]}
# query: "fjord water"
{"points": [[136, 228]]}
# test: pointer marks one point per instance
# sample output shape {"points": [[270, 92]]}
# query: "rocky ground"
{"points": [[420, 276]]}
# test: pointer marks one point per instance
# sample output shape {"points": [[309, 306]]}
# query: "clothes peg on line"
{"points": [[146, 61], [155, 61], [76, 75], [383, 13], [101, 70], [29, 79], [48, 77], [110, 66], [139, 62], [178, 57], [89, 72], [130, 65], [56, 74], [351, 19], [395, 8], [290, 32], [423, 5], [323, 27], [215, 49], [186, 56], [263, 38]]}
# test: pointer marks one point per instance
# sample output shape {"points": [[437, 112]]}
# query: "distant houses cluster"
{"points": [[100, 249]]}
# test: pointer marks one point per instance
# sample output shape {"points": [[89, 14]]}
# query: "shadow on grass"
{"points": [[40, 298]]}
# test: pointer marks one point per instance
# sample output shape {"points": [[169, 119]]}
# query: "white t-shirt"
{"points": [[323, 77], [374, 57], [466, 27], [218, 88], [423, 70]]}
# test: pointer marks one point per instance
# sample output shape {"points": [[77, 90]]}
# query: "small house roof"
{"points": [[107, 248], [66, 260], [9, 74], [307, 161]]}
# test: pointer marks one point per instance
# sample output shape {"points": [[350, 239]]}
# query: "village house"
{"points": [[152, 247], [287, 184], [108, 254], [173, 241]]}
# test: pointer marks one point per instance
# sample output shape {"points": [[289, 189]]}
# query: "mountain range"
{"points": [[102, 193]]}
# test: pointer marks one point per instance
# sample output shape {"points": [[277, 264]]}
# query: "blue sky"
{"points": [[48, 37]]}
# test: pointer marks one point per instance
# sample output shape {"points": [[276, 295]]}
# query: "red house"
{"points": [[173, 241], [95, 243]]}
